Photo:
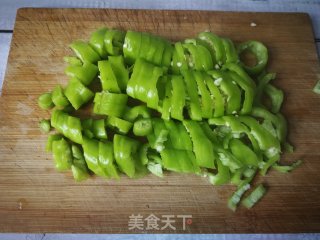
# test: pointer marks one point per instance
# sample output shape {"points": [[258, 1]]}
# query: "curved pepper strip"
{"points": [[243, 186], [216, 45], [262, 82], [178, 97], [194, 108], [249, 92], [206, 100], [62, 154], [276, 96], [141, 111], [239, 70], [216, 96], [198, 57], [242, 152], [267, 142], [84, 51], [237, 128], [86, 73], [167, 102], [230, 50], [261, 53], [77, 93], [179, 61], [97, 42], [105, 102], [113, 41], [202, 146], [167, 55], [69, 126], [143, 83], [278, 121], [230, 90], [120, 125]]}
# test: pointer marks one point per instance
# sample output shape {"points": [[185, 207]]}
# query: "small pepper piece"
{"points": [[216, 45], [231, 91], [77, 93], [179, 160], [131, 46], [72, 61], [50, 140], [45, 101], [97, 42], [105, 102], [120, 71], [120, 125], [44, 125], [276, 96], [62, 156], [141, 111], [254, 196], [179, 62], [206, 100], [230, 50], [223, 175], [69, 126], [143, 83], [58, 97], [202, 146], [113, 41], [91, 155], [98, 129], [242, 152], [86, 73], [108, 79], [79, 167], [178, 97], [193, 105], [106, 159], [142, 127], [125, 149], [84, 51], [216, 96]]}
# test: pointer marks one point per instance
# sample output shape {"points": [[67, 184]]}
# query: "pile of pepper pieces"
{"points": [[190, 107]]}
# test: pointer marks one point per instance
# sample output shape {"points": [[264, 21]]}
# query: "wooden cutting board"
{"points": [[34, 197]]}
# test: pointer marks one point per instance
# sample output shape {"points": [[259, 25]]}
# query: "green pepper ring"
{"points": [[261, 53]]}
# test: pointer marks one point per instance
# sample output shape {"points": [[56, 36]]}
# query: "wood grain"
{"points": [[36, 198]]}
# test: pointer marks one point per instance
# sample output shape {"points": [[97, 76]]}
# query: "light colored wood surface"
{"points": [[35, 198]]}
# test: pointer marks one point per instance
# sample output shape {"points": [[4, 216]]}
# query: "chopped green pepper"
{"points": [[105, 102], [62, 154], [45, 101]]}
